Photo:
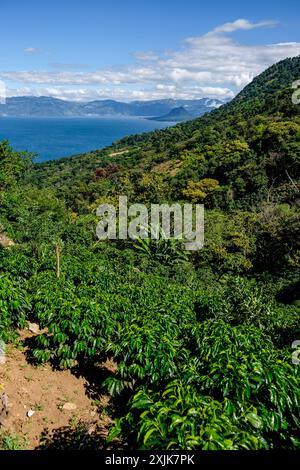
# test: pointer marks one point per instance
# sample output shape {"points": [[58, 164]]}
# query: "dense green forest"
{"points": [[202, 340]]}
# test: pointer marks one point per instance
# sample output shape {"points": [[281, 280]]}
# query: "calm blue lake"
{"points": [[53, 138]]}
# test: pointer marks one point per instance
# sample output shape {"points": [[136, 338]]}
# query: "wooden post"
{"points": [[57, 252]]}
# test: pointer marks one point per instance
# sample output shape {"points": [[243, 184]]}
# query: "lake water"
{"points": [[54, 138]]}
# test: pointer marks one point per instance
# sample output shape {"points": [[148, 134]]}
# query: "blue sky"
{"points": [[131, 49]]}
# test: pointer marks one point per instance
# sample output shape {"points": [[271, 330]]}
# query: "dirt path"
{"points": [[116, 154], [58, 398]]}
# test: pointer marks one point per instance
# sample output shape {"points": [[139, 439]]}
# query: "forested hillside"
{"points": [[202, 341]]}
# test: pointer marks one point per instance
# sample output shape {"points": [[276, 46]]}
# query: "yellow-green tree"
{"points": [[199, 190]]}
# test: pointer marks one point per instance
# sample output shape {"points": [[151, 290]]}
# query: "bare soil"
{"points": [[120, 152], [46, 391]]}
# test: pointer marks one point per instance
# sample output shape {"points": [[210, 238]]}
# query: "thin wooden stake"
{"points": [[57, 252]]}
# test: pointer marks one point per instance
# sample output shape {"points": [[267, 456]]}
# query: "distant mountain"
{"points": [[106, 108], [38, 106], [176, 115], [189, 110], [44, 106]]}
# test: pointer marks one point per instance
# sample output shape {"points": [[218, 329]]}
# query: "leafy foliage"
{"points": [[14, 305], [201, 343]]}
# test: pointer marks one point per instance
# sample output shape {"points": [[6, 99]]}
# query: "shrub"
{"points": [[14, 305]]}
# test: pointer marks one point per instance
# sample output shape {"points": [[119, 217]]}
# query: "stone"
{"points": [[3, 407], [69, 407], [34, 328], [2, 353]]}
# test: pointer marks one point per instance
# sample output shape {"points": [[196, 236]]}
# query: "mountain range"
{"points": [[44, 106]]}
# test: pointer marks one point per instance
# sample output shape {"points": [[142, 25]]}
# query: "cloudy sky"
{"points": [[129, 49]]}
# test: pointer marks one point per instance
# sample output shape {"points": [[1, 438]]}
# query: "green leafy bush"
{"points": [[180, 418], [235, 391], [14, 305]]}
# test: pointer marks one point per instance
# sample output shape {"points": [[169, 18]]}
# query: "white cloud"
{"points": [[285, 44], [122, 93], [64, 66], [147, 56], [31, 50], [242, 24], [212, 65]]}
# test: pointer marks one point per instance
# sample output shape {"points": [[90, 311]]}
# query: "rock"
{"points": [[2, 353], [5, 241], [69, 407], [3, 408], [30, 413], [34, 328]]}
